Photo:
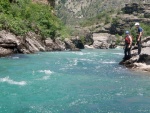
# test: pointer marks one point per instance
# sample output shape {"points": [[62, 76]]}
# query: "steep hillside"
{"points": [[23, 16], [72, 11]]}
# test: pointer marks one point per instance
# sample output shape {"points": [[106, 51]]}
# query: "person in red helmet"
{"points": [[128, 45]]}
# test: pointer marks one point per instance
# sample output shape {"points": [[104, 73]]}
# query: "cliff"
{"points": [[75, 11]]}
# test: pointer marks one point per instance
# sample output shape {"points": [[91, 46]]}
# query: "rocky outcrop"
{"points": [[8, 43], [77, 42], [31, 43], [70, 45], [4, 52], [100, 40], [142, 61], [147, 14], [88, 38], [75, 11], [54, 45], [134, 7], [132, 13], [104, 41]]}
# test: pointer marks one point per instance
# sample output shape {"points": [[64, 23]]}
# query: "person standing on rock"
{"points": [[139, 36], [128, 45]]}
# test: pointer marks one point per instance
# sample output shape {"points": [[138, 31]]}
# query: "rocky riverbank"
{"points": [[142, 61], [31, 43]]}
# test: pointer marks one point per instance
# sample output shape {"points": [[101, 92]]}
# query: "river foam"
{"points": [[109, 62], [10, 81], [47, 72]]}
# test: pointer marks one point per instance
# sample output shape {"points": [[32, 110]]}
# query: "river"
{"points": [[88, 81]]}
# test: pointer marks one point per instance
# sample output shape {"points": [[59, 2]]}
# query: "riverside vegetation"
{"points": [[24, 16], [27, 27]]}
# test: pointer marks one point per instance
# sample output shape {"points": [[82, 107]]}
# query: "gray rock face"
{"points": [[56, 45], [60, 44], [147, 14], [103, 40], [27, 44], [70, 45], [49, 45], [89, 39], [8, 42], [75, 10], [77, 42], [133, 13], [4, 52], [31, 43], [134, 7]]}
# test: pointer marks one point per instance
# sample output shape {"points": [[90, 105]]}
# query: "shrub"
{"points": [[25, 16], [118, 40], [146, 29]]}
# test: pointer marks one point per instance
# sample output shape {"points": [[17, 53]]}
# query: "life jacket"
{"points": [[127, 40]]}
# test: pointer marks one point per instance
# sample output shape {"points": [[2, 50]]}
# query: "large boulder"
{"points": [[5, 52], [32, 43], [100, 40], [8, 40], [54, 45], [8, 43], [77, 42], [49, 44], [146, 42], [29, 43], [88, 39], [69, 45], [60, 44], [103, 40]]}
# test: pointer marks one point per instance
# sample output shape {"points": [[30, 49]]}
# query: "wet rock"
{"points": [[8, 43], [77, 42], [69, 45], [49, 45], [4, 52], [88, 47], [89, 39], [60, 45], [32, 43]]}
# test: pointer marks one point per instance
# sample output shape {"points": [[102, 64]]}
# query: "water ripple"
{"points": [[10, 81]]}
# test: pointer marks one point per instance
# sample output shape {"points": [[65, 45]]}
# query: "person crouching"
{"points": [[128, 45]]}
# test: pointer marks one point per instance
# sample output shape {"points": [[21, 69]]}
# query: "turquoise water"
{"points": [[89, 81]]}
